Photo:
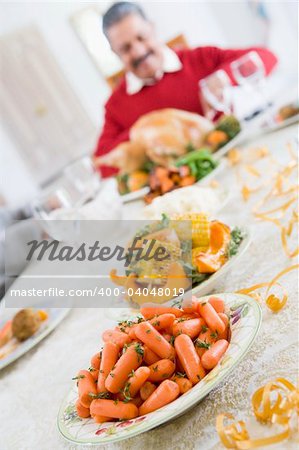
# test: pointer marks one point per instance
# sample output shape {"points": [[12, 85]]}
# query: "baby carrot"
{"points": [[150, 312], [136, 380], [187, 316], [117, 337], [190, 310], [6, 333], [109, 358], [179, 367], [153, 339], [225, 320], [189, 358], [132, 330], [165, 393], [207, 335], [211, 317], [146, 390], [130, 360], [190, 305], [168, 337], [211, 358], [190, 327], [166, 331], [136, 401], [86, 386], [217, 303], [201, 347], [113, 408], [96, 361], [149, 356], [81, 410], [204, 341], [125, 326], [101, 419], [163, 321], [94, 373], [161, 370], [183, 383]]}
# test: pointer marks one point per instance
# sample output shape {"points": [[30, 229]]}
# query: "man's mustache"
{"points": [[138, 61]]}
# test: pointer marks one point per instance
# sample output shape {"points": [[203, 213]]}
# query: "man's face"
{"points": [[134, 41]]}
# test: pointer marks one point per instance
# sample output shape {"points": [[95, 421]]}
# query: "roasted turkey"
{"points": [[160, 136], [127, 157]]}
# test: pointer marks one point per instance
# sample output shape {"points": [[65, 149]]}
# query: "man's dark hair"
{"points": [[118, 11]]}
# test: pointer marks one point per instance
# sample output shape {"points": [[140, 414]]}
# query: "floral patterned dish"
{"points": [[245, 319]]}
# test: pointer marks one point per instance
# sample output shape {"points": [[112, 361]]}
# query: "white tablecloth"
{"points": [[31, 389]]}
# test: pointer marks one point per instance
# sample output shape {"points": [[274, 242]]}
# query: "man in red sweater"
{"points": [[156, 77]]}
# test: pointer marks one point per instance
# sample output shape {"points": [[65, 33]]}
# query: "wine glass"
{"points": [[249, 71], [51, 200], [215, 92], [52, 207], [84, 177]]}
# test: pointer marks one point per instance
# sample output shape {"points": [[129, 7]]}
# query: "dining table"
{"points": [[33, 387]]}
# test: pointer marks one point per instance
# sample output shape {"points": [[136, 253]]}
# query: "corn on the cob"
{"points": [[199, 226], [200, 230]]}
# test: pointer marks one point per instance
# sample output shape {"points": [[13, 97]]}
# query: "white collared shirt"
{"points": [[171, 63]]}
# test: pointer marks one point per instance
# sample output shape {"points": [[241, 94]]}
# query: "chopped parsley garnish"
{"points": [[125, 348], [78, 377], [126, 393], [202, 344], [125, 323], [139, 350], [214, 335], [181, 319], [99, 395], [180, 375]]}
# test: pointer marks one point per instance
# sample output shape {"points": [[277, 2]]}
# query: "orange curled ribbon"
{"points": [[285, 231], [282, 187], [234, 156], [252, 170], [279, 186], [272, 301], [267, 408]]}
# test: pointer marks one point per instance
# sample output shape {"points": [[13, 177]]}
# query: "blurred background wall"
{"points": [[221, 23]]}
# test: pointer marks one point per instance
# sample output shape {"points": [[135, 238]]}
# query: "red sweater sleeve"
{"points": [[112, 135], [209, 59]]}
